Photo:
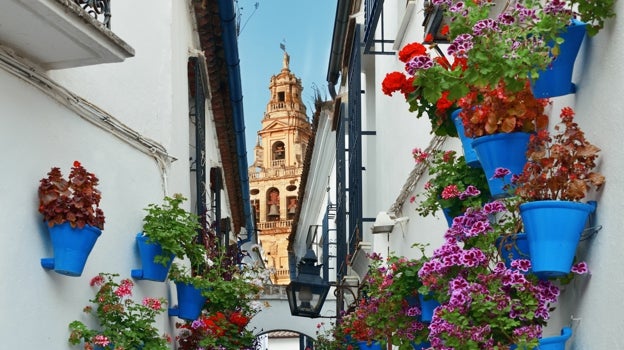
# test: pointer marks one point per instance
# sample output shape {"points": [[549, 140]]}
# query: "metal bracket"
{"points": [[593, 228]]}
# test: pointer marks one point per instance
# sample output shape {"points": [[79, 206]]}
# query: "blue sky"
{"points": [[305, 27]]}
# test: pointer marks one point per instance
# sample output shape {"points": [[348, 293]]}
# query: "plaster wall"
{"points": [[590, 304], [148, 93]]}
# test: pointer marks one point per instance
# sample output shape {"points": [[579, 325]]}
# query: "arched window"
{"points": [[279, 151], [273, 204], [292, 207]]}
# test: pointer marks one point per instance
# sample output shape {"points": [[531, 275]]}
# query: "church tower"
{"points": [[278, 163]]}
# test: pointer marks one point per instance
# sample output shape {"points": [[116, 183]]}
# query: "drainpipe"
{"points": [[230, 46], [340, 28]]}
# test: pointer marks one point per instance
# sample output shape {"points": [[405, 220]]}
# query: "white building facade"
{"points": [[381, 177], [151, 106]]}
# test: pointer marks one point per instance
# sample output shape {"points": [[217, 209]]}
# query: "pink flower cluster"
{"points": [[125, 288]]}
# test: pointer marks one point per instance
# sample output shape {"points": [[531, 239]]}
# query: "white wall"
{"points": [[590, 304], [147, 93]]}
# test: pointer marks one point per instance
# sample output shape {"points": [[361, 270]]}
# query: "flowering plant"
{"points": [[438, 107], [326, 338], [123, 323], [387, 311], [453, 186], [75, 200], [232, 289], [484, 303], [506, 43], [216, 331], [559, 166]]}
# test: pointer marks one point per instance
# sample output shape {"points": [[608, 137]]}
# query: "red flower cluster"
{"points": [[215, 326]]}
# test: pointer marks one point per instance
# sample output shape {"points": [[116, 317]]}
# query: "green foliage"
{"points": [[450, 178], [232, 290], [174, 228], [122, 322]]}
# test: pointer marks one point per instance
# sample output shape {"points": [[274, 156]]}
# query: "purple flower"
{"points": [[500, 173], [521, 264], [418, 62], [494, 207], [483, 25], [457, 7], [580, 268], [471, 191], [461, 45]]}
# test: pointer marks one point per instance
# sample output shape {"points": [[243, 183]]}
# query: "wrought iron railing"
{"points": [[98, 9]]}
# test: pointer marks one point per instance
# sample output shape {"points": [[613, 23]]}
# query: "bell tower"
{"points": [[278, 163]]}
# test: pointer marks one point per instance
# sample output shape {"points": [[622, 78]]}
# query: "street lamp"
{"points": [[307, 292]]}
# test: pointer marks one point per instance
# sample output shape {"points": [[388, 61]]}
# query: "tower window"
{"points": [[273, 202], [279, 151], [280, 96]]}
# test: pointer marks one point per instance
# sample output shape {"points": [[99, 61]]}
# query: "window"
{"points": [[291, 209], [273, 204], [281, 96], [279, 151]]}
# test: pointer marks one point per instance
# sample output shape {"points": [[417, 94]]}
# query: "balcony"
{"points": [[58, 34]]}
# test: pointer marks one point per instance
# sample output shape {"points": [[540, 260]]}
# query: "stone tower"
{"points": [[278, 163]]}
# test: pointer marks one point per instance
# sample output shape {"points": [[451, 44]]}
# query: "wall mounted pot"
{"points": [[551, 343], [427, 307], [554, 230], [469, 153], [150, 270], [372, 346], [71, 247], [513, 247], [504, 150], [190, 302], [556, 80]]}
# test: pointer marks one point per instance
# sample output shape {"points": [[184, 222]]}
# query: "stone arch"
{"points": [[277, 316], [278, 150]]}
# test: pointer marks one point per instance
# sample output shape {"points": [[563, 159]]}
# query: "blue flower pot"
{"points": [[504, 150], [190, 302], [151, 271], [373, 345], [469, 153], [427, 306], [554, 230], [556, 80], [421, 346], [72, 247], [447, 215], [513, 248], [551, 343]]}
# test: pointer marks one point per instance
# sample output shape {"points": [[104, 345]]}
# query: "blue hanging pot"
{"points": [[513, 248], [553, 230], [504, 150], [72, 246], [552, 343], [469, 153], [427, 307], [151, 270], [556, 80], [421, 346], [375, 345], [190, 302]]}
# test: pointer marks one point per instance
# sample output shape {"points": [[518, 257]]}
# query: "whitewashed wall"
{"points": [[591, 304], [149, 94]]}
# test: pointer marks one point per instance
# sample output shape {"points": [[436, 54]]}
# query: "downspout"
{"points": [[230, 46], [340, 28]]}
